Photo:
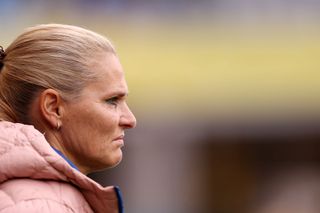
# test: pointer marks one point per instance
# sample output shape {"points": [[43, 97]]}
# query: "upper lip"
{"points": [[120, 137]]}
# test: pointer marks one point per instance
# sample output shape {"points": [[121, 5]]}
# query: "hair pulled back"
{"points": [[52, 56]]}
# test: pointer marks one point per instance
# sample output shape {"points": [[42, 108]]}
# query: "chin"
{"points": [[108, 162], [114, 160]]}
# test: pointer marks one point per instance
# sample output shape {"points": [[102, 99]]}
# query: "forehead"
{"points": [[109, 73]]}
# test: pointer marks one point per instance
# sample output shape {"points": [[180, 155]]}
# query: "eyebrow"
{"points": [[119, 94], [123, 95]]}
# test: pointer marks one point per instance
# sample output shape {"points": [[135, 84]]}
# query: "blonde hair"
{"points": [[47, 56]]}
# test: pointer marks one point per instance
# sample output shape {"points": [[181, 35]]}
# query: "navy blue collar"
{"points": [[66, 159], [120, 200]]}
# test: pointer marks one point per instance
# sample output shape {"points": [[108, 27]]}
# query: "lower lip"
{"points": [[120, 142]]}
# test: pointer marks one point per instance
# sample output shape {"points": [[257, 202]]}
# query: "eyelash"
{"points": [[113, 101]]}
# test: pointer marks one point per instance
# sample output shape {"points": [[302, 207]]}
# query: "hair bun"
{"points": [[2, 55]]}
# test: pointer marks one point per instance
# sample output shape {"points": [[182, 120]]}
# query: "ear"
{"points": [[50, 105]]}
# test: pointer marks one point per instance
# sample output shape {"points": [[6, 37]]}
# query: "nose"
{"points": [[127, 119]]}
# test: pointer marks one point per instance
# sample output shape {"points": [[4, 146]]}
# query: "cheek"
{"points": [[101, 147], [99, 130], [104, 123], [92, 128]]}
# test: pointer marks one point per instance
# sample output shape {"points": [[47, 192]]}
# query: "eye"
{"points": [[113, 101]]}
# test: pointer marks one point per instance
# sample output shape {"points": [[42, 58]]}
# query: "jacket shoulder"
{"points": [[41, 195]]}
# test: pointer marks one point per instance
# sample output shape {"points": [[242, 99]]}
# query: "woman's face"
{"points": [[93, 125]]}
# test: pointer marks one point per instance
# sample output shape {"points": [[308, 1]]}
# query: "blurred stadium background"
{"points": [[226, 93]]}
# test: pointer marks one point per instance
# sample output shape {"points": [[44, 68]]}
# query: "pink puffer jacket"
{"points": [[34, 178]]}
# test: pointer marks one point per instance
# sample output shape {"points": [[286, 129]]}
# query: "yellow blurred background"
{"points": [[226, 94]]}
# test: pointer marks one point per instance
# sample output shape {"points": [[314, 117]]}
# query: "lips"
{"points": [[121, 137], [119, 141]]}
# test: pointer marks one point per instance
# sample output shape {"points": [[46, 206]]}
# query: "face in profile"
{"points": [[93, 125]]}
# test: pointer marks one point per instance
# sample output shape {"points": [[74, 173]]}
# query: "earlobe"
{"points": [[50, 107]]}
